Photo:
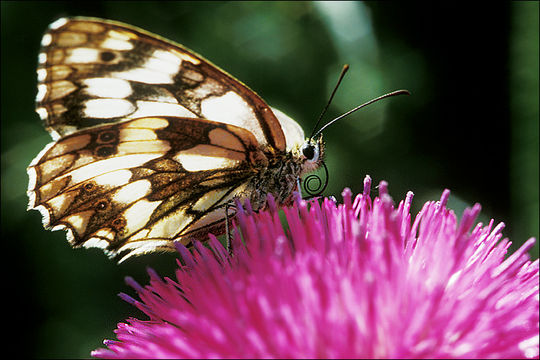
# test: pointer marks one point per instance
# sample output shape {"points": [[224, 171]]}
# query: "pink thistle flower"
{"points": [[349, 280]]}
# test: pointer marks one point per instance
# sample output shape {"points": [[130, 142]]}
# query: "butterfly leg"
{"points": [[228, 206]]}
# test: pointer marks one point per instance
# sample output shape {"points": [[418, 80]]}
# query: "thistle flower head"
{"points": [[356, 279]]}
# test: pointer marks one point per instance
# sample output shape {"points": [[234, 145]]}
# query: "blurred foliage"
{"points": [[524, 97], [471, 124]]}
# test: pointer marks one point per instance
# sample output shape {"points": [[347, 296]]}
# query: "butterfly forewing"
{"points": [[137, 185], [93, 71]]}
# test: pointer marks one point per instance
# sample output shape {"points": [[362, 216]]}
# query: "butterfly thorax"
{"points": [[278, 178]]}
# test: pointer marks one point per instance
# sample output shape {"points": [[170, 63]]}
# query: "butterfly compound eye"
{"points": [[310, 151]]}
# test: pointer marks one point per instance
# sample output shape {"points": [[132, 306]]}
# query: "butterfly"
{"points": [[152, 141]]}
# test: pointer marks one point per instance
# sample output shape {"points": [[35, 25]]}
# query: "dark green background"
{"points": [[471, 125]]}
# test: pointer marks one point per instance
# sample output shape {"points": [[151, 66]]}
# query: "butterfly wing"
{"points": [[135, 186], [93, 71]]}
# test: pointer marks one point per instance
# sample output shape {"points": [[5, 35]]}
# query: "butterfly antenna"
{"points": [[393, 93], [345, 68]]}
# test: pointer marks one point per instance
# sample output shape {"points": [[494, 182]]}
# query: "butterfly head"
{"points": [[311, 153]]}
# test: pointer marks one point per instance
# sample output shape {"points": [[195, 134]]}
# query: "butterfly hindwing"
{"points": [[135, 186], [94, 71]]}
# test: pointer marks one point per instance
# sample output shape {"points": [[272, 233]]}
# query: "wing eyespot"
{"points": [[106, 137], [107, 56], [119, 224], [102, 204], [104, 150]]}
